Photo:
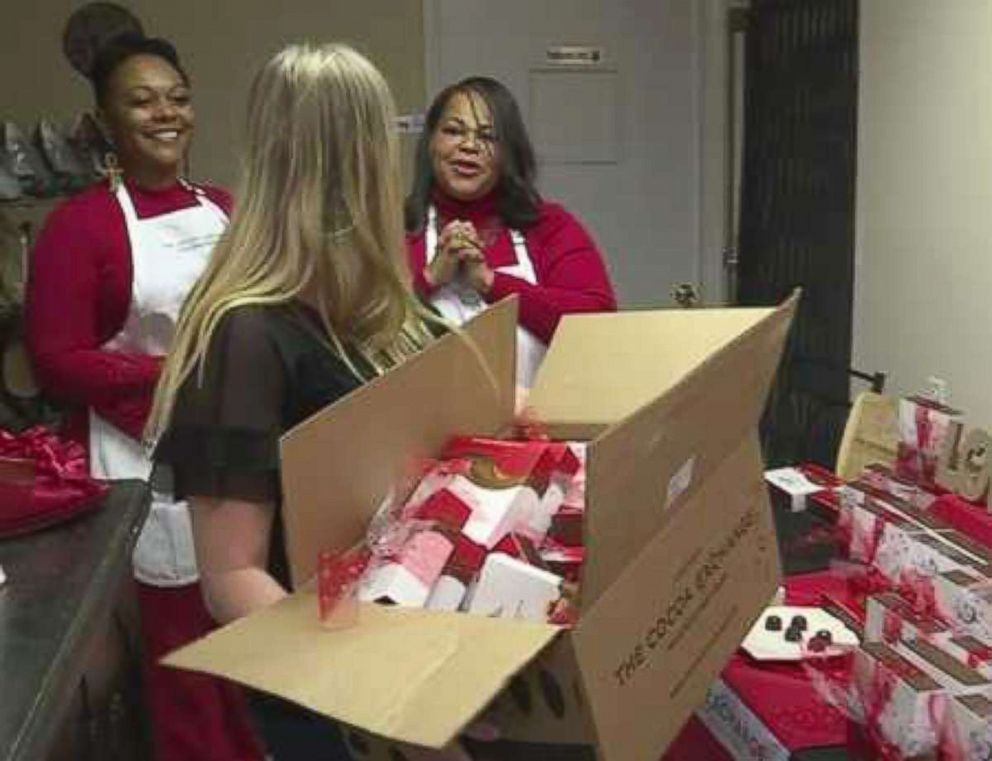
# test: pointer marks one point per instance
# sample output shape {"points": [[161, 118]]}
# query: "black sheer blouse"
{"points": [[267, 369]]}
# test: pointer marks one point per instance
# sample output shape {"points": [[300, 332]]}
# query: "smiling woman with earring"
{"points": [[108, 275]]}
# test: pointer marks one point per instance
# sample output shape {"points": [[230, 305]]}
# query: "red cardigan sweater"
{"points": [[78, 296], [571, 275]]}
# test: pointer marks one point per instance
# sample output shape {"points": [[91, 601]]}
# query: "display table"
{"points": [[776, 712], [62, 588]]}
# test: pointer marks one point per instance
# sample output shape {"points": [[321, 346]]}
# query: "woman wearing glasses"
{"points": [[477, 229]]}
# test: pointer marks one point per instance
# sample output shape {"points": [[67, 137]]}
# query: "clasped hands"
{"points": [[459, 256]]}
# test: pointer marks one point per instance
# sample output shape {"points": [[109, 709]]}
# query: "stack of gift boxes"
{"points": [[494, 527], [921, 682]]}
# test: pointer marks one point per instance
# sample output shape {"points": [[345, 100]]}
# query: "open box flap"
{"points": [[411, 675], [600, 368], [339, 465], [644, 468]]}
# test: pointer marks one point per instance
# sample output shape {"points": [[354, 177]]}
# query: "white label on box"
{"points": [[680, 482], [738, 730], [793, 482]]}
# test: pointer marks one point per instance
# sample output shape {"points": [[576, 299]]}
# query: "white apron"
{"points": [[459, 303], [168, 254]]}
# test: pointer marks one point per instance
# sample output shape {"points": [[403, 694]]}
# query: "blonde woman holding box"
{"points": [[305, 298]]}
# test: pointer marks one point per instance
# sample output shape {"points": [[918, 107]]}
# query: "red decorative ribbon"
{"points": [[52, 483]]}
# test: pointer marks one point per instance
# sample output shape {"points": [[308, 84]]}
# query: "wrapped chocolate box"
{"points": [[897, 699], [887, 481], [945, 669], [504, 486], [890, 618], [878, 536], [861, 492], [923, 426], [972, 652], [407, 576]]}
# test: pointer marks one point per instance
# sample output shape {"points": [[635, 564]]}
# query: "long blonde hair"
{"points": [[319, 215]]}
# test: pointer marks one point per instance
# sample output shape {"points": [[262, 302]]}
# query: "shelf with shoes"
{"points": [[35, 176], [51, 161]]}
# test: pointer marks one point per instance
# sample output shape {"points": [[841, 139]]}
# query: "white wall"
{"points": [[923, 286]]}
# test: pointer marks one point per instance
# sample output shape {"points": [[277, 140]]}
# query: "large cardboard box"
{"points": [[681, 551]]}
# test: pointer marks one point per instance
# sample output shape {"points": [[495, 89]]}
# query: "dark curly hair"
{"points": [[120, 49]]}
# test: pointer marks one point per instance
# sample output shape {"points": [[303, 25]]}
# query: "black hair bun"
{"points": [[91, 27]]}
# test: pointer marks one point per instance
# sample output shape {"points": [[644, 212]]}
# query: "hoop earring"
{"points": [[113, 170]]}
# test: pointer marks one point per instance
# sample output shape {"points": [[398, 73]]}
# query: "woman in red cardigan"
{"points": [[478, 230], [108, 275]]}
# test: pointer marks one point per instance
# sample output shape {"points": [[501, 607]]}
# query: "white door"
{"points": [[620, 142]]}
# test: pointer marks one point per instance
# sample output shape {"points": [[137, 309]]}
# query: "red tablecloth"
{"points": [[695, 743], [967, 517], [780, 694]]}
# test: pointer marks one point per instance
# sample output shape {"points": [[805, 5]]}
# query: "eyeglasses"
{"points": [[456, 133]]}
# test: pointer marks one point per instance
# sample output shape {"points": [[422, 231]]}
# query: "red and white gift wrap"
{"points": [[903, 543], [902, 707], [955, 677], [408, 577], [861, 492], [891, 618], [564, 561], [878, 536], [923, 426], [886, 480], [506, 487], [964, 601], [969, 729], [451, 589], [471, 534], [972, 652]]}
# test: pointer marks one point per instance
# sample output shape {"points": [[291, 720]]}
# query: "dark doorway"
{"points": [[797, 208]]}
